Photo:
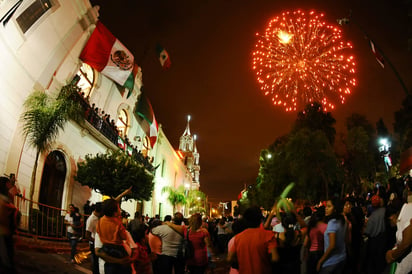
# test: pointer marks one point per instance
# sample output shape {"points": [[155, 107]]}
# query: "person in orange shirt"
{"points": [[255, 247], [112, 233]]}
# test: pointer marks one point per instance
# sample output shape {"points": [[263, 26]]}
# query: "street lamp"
{"points": [[384, 150], [379, 54]]}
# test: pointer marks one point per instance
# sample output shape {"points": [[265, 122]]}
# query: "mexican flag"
{"points": [[134, 77], [146, 118], [105, 53], [163, 57], [120, 143], [129, 150]]}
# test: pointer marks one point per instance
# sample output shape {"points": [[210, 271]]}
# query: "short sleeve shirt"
{"points": [[252, 248], [171, 240], [339, 253], [91, 224], [69, 219]]}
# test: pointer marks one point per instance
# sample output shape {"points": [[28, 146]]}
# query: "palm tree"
{"points": [[196, 199], [176, 196], [44, 116]]}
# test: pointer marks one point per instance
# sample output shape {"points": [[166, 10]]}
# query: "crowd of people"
{"points": [[145, 245], [371, 234]]}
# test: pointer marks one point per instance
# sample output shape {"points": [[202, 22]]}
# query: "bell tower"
{"points": [[189, 154]]}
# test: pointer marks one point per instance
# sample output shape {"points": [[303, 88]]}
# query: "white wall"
{"points": [[46, 58]]}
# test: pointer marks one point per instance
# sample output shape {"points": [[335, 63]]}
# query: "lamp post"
{"points": [[384, 150], [349, 19]]}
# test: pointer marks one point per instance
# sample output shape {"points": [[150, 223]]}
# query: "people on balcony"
{"points": [[103, 122]]}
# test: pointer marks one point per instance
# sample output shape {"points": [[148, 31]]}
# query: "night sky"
{"points": [[210, 43]]}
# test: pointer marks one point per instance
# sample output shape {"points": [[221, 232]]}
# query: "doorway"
{"points": [[53, 178]]}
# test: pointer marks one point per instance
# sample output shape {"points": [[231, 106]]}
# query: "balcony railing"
{"points": [[109, 131]]}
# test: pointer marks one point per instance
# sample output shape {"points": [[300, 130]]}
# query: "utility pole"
{"points": [[349, 19]]}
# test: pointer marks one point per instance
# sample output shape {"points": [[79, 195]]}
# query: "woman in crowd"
{"points": [[355, 219], [200, 239], [112, 233], [221, 235], [155, 244], [289, 244], [334, 256], [144, 258], [314, 239]]}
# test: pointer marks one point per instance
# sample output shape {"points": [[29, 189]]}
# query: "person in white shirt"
{"points": [[71, 229], [91, 225]]}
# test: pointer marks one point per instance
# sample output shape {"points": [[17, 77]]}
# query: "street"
{"points": [[30, 261], [33, 261]]}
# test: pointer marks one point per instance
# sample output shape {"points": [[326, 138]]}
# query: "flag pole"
{"points": [[344, 21]]}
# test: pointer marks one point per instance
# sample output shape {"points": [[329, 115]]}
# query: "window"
{"points": [[122, 123], [33, 13], [163, 168], [85, 79]]}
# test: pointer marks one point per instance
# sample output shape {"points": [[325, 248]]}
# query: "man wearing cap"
{"points": [[376, 232]]}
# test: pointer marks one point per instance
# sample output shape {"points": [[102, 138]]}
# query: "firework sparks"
{"points": [[301, 59]]}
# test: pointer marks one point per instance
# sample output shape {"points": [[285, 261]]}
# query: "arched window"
{"points": [[85, 79], [123, 123]]}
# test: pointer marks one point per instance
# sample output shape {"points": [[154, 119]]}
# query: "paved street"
{"points": [[33, 261], [30, 259]]}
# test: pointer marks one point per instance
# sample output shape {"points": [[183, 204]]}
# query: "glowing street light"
{"points": [[384, 150]]}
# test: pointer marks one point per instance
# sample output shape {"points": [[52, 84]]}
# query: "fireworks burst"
{"points": [[301, 59]]}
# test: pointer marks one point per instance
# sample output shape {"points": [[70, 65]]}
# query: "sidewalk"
{"points": [[46, 246]]}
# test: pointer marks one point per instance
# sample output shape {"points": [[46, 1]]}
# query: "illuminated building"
{"points": [[40, 45]]}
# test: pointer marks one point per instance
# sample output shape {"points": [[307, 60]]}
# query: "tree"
{"points": [[114, 171], [195, 200], [359, 159], [361, 151], [313, 117], [274, 173], [313, 164], [403, 124], [175, 196], [358, 120], [44, 117]]}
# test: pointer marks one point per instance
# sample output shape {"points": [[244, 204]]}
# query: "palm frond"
{"points": [[44, 117]]}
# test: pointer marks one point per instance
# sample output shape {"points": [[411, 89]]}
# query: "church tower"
{"points": [[189, 154]]}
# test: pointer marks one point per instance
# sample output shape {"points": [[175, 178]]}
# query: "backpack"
{"points": [[188, 249]]}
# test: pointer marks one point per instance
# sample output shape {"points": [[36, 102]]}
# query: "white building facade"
{"points": [[40, 44]]}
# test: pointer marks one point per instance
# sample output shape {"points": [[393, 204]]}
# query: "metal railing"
{"points": [[42, 221], [107, 130]]}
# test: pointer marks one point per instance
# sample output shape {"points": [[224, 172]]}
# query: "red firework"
{"points": [[301, 59]]}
